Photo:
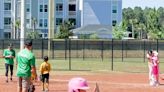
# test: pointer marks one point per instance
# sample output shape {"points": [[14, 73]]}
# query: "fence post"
{"points": [[112, 57], [83, 49], [76, 48], [3, 45], [52, 49], [157, 45], [42, 48], [102, 50], [122, 51], [144, 50], [69, 54], [65, 49]]}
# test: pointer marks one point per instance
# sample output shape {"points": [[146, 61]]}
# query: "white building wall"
{"points": [[1, 14], [100, 12]]}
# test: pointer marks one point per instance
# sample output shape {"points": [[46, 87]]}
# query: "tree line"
{"points": [[145, 23]]}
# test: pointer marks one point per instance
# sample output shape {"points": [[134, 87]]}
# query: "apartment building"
{"points": [[36, 16], [103, 12], [80, 12]]}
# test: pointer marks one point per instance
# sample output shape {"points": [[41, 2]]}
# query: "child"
{"points": [[155, 69], [149, 56], [45, 68], [77, 85]]}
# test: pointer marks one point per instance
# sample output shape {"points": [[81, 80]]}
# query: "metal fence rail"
{"points": [[90, 48]]}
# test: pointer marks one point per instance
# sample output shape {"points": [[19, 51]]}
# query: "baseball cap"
{"points": [[77, 83], [28, 43]]}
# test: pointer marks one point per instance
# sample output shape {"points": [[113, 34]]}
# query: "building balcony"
{"points": [[7, 1], [72, 13], [72, 1], [7, 27], [7, 12], [59, 13], [59, 1]]}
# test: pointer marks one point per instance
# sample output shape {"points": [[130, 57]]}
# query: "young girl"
{"points": [[45, 68], [155, 69], [149, 56], [77, 84]]}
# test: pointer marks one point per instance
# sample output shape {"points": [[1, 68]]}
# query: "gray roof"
{"points": [[91, 29]]}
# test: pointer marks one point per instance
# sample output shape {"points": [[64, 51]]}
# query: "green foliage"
{"points": [[65, 30], [118, 31], [33, 35], [94, 36], [83, 36], [149, 21]]}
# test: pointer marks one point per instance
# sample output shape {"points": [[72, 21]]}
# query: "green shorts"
{"points": [[24, 82]]}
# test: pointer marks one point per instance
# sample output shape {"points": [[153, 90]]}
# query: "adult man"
{"points": [[9, 55], [25, 66]]}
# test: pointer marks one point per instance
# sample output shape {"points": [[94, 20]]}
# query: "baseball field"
{"points": [[125, 77]]}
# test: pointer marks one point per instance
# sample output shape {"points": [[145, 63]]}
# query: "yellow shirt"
{"points": [[45, 68]]}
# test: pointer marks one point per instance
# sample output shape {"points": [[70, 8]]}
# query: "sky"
{"points": [[142, 3]]}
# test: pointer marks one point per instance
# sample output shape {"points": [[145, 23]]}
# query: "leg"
{"points": [[7, 69], [47, 81], [19, 83], [25, 84], [11, 71], [43, 82], [150, 71]]}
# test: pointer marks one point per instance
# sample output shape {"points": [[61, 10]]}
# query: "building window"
{"points": [[72, 7], [41, 35], [41, 8], [7, 35], [7, 6], [59, 7], [45, 35], [114, 22], [72, 21], [45, 8], [27, 7], [41, 23], [59, 21], [27, 21], [45, 22], [114, 9], [7, 21]]}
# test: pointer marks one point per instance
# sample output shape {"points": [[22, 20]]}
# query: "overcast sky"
{"points": [[142, 3]]}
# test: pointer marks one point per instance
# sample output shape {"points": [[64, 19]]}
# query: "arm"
{"points": [[7, 56], [49, 67], [149, 58], [33, 68], [40, 69]]}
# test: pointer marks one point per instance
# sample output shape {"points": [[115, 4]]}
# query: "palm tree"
{"points": [[17, 27], [65, 30], [34, 21]]}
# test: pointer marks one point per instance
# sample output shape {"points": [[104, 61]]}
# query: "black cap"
{"points": [[10, 45], [28, 43], [150, 51], [45, 58]]}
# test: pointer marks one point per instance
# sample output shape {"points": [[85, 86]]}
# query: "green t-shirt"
{"points": [[8, 52], [25, 59]]}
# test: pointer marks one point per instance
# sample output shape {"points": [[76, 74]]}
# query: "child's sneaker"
{"points": [[6, 81], [157, 83], [11, 79]]}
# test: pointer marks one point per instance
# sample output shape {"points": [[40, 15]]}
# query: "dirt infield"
{"points": [[108, 82]]}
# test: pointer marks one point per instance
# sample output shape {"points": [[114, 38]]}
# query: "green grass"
{"points": [[131, 65]]}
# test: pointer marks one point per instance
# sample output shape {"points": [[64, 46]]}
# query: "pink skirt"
{"points": [[155, 70]]}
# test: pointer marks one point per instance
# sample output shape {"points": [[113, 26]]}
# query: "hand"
{"points": [[10, 56]]}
